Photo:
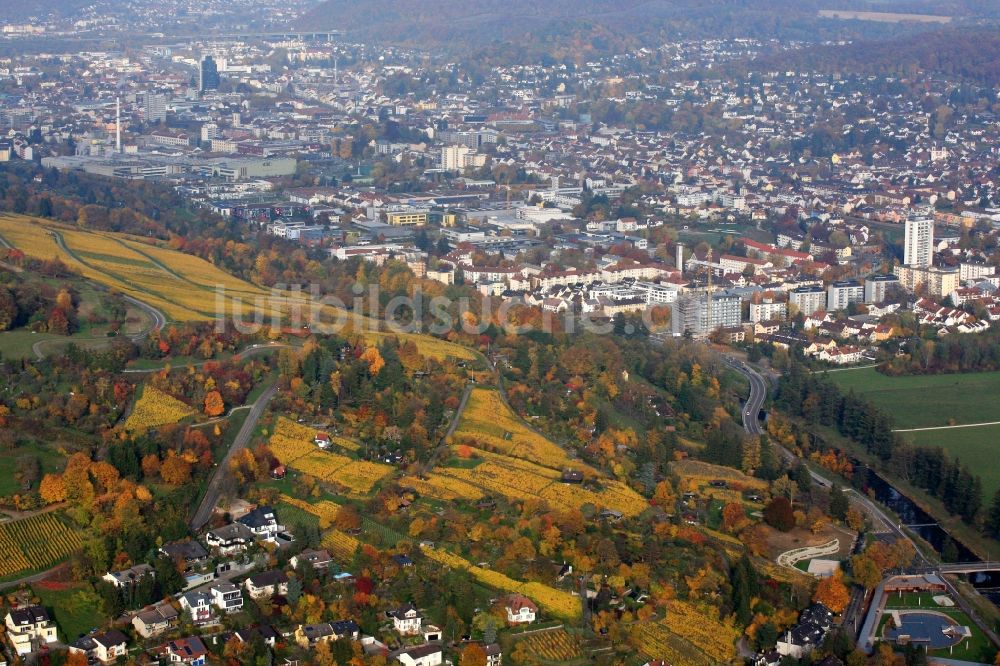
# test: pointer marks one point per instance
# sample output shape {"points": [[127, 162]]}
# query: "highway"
{"points": [[755, 401], [880, 521]]}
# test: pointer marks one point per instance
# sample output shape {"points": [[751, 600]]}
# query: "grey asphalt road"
{"points": [[212, 493]]}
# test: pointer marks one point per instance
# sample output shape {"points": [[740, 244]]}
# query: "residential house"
{"points": [[308, 635], [155, 620], [520, 609], [230, 539], [128, 577], [190, 552], [104, 647], [189, 651], [267, 584], [346, 629], [406, 620], [422, 655], [263, 522], [319, 559], [199, 606], [266, 633], [29, 628], [802, 639], [227, 597]]}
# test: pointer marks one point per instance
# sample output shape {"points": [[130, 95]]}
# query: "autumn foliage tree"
{"points": [[734, 518], [214, 405], [175, 470], [779, 514], [374, 359], [52, 488], [832, 593], [473, 655]]}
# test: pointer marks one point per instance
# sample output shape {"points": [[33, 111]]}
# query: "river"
{"points": [[926, 527]]}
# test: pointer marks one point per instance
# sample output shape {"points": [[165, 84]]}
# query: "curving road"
{"points": [[758, 394], [881, 522], [214, 490], [157, 318]]}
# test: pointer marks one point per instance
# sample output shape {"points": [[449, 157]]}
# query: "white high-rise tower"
{"points": [[918, 243]]}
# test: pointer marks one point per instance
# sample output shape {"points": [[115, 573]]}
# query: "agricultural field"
{"points": [[554, 645], [325, 510], [182, 286], [518, 464], [155, 408], [686, 637], [555, 602], [493, 426], [35, 544], [341, 546], [522, 480], [293, 445], [442, 487]]}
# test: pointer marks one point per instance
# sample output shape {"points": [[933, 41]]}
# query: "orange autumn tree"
{"points": [[214, 405], [373, 357], [52, 488], [832, 593], [734, 518]]}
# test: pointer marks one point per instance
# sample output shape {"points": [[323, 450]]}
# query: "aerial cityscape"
{"points": [[423, 332]]}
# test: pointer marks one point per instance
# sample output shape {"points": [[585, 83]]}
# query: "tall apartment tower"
{"points": [[156, 108], [918, 246]]}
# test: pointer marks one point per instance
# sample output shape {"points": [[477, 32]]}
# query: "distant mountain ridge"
{"points": [[472, 23], [970, 54]]}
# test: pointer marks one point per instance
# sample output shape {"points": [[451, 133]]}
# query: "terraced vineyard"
{"points": [[492, 425], [325, 510], [340, 545], [554, 645], [35, 543], [556, 602], [686, 637], [293, 445], [155, 408], [182, 286], [519, 464]]}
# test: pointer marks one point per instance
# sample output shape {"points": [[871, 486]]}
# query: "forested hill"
{"points": [[970, 54], [586, 26]]}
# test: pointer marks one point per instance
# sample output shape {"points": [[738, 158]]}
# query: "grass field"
{"points": [[19, 343], [76, 606], [975, 447], [50, 459], [923, 401]]}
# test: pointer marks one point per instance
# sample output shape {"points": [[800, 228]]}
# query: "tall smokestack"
{"points": [[118, 124], [679, 259]]}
